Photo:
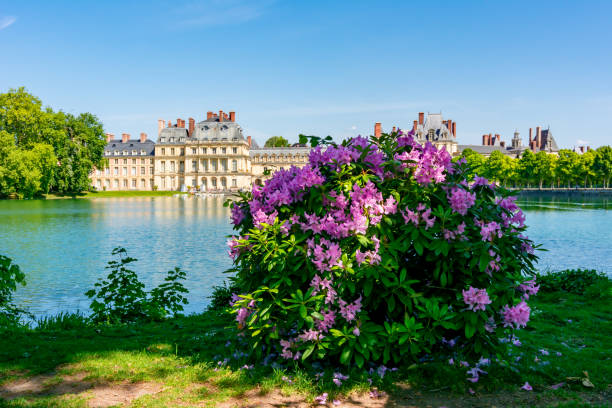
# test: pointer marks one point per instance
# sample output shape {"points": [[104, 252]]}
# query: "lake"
{"points": [[64, 245]]}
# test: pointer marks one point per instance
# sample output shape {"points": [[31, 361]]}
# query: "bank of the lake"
{"points": [[113, 194], [176, 363], [63, 245]]}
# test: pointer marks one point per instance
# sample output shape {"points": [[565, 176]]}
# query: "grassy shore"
{"points": [[105, 194], [64, 363]]}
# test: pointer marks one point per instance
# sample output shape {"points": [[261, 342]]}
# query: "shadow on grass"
{"points": [[178, 360]]}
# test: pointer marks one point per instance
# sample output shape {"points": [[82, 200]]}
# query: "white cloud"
{"points": [[354, 127], [581, 142], [7, 21], [349, 109], [218, 12]]}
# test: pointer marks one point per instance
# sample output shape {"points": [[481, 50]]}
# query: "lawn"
{"points": [[181, 362]]}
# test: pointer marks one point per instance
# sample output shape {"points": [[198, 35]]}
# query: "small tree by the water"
{"points": [[379, 251]]}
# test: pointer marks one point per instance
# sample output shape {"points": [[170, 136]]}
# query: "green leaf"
{"points": [[359, 360], [345, 357], [303, 311], [308, 352]]}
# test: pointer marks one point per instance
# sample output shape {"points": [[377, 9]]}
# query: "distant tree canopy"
{"points": [[44, 151], [569, 169], [277, 141]]}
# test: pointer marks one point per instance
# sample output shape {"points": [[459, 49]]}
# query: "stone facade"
{"points": [[209, 156], [130, 165]]}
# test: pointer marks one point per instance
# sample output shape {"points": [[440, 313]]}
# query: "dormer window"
{"points": [[162, 139], [171, 139], [134, 152]]}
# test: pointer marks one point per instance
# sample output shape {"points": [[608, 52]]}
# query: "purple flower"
{"points": [[237, 214], [476, 299], [527, 387], [321, 399], [349, 311], [327, 322], [516, 316], [461, 200]]}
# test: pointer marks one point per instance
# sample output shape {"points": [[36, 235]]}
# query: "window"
{"points": [[133, 183], [133, 161], [223, 182], [234, 183], [134, 152], [194, 150], [235, 150], [124, 161], [203, 150], [172, 168], [133, 171], [150, 170], [204, 165], [106, 171], [143, 183], [107, 184], [107, 152], [163, 151], [194, 182], [214, 150], [223, 150], [194, 165], [125, 183], [142, 171], [98, 184], [117, 184], [171, 140], [182, 166], [125, 171], [234, 165], [163, 182], [117, 153], [224, 165], [162, 165], [125, 153], [172, 151], [182, 151], [143, 153], [116, 172], [142, 161]]}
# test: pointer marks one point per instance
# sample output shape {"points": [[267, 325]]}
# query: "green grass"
{"points": [[182, 355], [104, 194]]}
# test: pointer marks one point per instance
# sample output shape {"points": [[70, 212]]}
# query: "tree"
{"points": [[585, 167], [277, 141], [602, 164], [544, 167], [567, 164], [474, 160], [42, 150], [526, 167], [499, 167]]}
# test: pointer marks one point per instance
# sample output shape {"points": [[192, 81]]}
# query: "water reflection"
{"points": [[64, 245]]}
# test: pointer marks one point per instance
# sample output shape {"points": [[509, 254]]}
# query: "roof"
{"points": [[548, 139], [211, 129], [481, 149], [131, 145], [172, 135], [434, 122]]}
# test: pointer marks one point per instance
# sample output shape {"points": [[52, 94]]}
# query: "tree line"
{"points": [[45, 151], [569, 169]]}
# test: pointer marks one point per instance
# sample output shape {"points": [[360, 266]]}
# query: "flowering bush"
{"points": [[375, 251]]}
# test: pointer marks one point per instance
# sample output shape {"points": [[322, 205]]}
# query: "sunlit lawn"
{"points": [[180, 359]]}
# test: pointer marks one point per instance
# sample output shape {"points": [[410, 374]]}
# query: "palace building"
{"points": [[209, 156]]}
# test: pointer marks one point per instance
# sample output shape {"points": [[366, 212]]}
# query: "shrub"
{"points": [[222, 296], [375, 251], [10, 277], [121, 298], [571, 280]]}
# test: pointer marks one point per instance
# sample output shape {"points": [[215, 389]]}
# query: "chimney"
{"points": [[581, 149], [250, 140], [160, 125], [588, 148], [530, 135], [377, 129], [490, 139], [533, 145], [421, 118], [414, 125], [393, 131], [454, 124], [169, 123], [232, 116], [539, 135], [502, 144], [143, 137], [191, 126], [209, 115], [125, 137], [220, 116], [179, 123], [449, 126]]}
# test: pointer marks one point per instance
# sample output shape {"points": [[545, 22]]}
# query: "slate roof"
{"points": [[118, 146], [547, 138]]}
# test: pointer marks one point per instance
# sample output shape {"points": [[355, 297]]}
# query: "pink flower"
{"points": [[527, 387], [349, 311], [461, 200], [327, 322], [321, 399], [529, 288], [516, 316], [476, 299]]}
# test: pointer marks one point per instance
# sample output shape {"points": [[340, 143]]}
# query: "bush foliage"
{"points": [[576, 281], [10, 276], [378, 251], [121, 298]]}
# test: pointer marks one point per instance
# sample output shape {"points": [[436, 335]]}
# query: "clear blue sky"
{"points": [[319, 67]]}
